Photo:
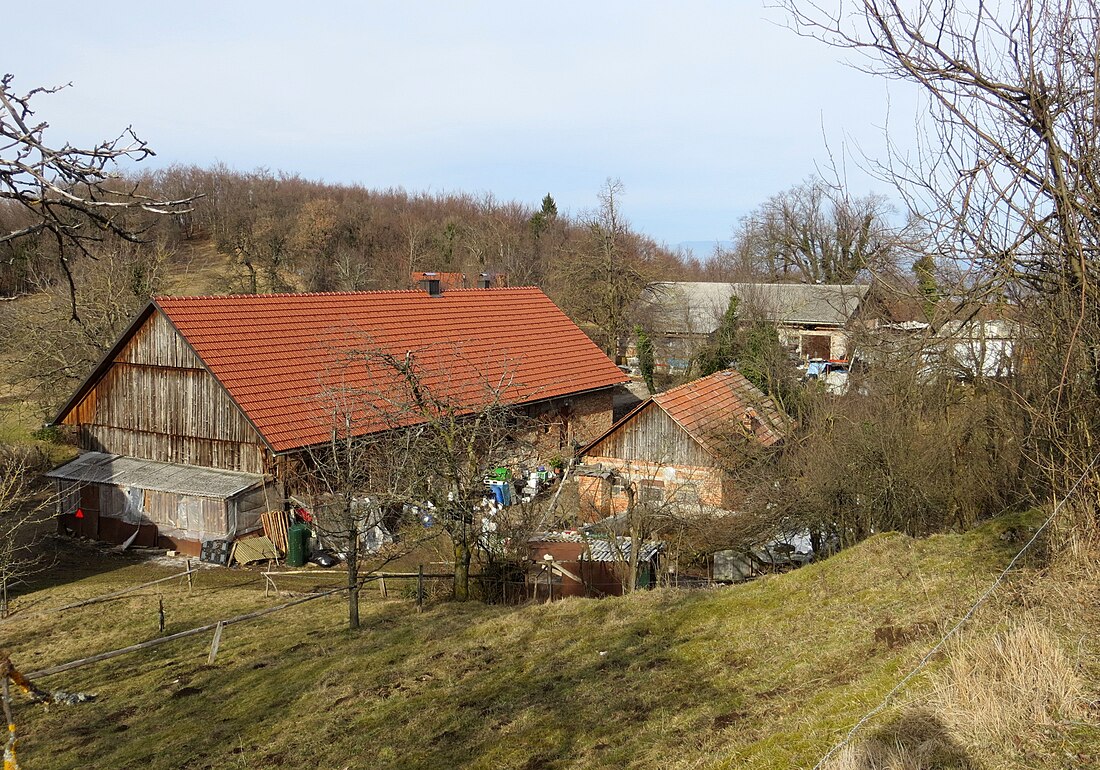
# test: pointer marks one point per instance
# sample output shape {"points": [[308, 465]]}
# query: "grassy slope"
{"points": [[762, 675]]}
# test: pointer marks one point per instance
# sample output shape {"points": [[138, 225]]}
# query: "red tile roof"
{"points": [[712, 408], [288, 359]]}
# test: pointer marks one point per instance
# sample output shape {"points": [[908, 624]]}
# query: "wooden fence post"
{"points": [[160, 613], [420, 588], [216, 642], [190, 582], [382, 587]]}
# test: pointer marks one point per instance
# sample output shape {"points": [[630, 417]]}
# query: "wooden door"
{"points": [[816, 346]]}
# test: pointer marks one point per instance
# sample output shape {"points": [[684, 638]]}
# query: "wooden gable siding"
{"points": [[650, 435], [157, 401]]}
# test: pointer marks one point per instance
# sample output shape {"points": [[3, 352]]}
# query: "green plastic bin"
{"points": [[297, 544]]}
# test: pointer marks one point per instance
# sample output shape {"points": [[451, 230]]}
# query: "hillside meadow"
{"points": [[767, 674]]}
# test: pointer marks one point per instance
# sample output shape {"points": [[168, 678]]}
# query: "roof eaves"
{"points": [[572, 394]]}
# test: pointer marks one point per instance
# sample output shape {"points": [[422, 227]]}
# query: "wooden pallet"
{"points": [[276, 528]]}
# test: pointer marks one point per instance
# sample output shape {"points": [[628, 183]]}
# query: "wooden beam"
{"points": [[105, 597]]}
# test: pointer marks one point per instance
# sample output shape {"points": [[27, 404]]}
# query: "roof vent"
{"points": [[432, 285], [484, 281]]}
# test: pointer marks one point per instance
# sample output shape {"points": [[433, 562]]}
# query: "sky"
{"points": [[701, 109]]}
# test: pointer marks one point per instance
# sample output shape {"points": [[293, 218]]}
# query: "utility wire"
{"points": [[969, 614]]}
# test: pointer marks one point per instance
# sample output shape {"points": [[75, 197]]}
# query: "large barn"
{"points": [[192, 419], [813, 320]]}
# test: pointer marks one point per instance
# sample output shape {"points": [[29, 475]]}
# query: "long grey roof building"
{"points": [[697, 307]]}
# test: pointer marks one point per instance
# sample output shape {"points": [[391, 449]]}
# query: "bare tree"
{"points": [[817, 233], [414, 443], [69, 194], [357, 482], [603, 278], [47, 354], [23, 511], [1010, 181]]}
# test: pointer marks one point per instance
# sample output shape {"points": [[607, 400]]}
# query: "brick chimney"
{"points": [[432, 284]]}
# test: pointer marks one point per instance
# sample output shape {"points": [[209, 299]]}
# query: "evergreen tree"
{"points": [[924, 270], [721, 350], [646, 361]]}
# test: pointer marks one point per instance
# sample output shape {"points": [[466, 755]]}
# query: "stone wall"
{"points": [[564, 425]]}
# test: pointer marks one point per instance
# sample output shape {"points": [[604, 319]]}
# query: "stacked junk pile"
{"points": [[294, 538], [285, 536]]}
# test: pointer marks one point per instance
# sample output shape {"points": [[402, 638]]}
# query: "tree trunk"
{"points": [[635, 538], [353, 581], [462, 569], [815, 544]]}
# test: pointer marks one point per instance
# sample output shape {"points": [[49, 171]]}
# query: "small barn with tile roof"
{"points": [[241, 385], [678, 446]]}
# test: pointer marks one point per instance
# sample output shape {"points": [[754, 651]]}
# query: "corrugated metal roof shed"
{"points": [[601, 549], [286, 358], [101, 468], [697, 307]]}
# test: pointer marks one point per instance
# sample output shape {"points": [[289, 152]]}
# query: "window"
{"points": [[651, 491]]}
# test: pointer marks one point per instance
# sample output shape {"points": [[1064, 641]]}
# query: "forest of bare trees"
{"points": [[261, 231]]}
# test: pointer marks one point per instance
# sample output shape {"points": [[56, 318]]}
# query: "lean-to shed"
{"points": [[581, 564], [166, 503]]}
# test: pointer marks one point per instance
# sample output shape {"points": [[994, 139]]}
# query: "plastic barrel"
{"points": [[297, 538]]}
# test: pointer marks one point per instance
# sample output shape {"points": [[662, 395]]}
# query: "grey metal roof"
{"points": [[601, 548], [102, 468], [698, 306]]}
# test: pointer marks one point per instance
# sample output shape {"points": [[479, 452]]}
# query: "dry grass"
{"points": [[997, 688], [1018, 690]]}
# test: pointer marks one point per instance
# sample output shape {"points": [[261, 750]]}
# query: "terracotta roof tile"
{"points": [[287, 359], [714, 407]]}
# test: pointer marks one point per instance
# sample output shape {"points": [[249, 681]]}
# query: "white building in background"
{"points": [[965, 349]]}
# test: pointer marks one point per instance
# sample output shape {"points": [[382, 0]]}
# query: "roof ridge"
{"points": [[691, 384], [303, 294]]}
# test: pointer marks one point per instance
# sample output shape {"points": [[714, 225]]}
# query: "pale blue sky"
{"points": [[702, 109]]}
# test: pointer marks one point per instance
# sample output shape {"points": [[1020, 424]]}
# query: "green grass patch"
{"points": [[765, 675]]}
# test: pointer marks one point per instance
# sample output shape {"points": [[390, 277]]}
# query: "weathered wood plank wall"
{"points": [[652, 436], [157, 402]]}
